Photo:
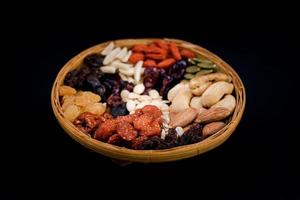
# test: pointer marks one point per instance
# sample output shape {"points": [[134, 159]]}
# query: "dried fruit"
{"points": [[126, 131], [119, 110], [149, 63], [166, 63], [94, 60], [187, 53], [66, 90], [135, 57], [72, 112], [175, 51], [95, 108]]}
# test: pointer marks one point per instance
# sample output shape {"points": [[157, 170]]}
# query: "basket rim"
{"points": [[170, 154]]}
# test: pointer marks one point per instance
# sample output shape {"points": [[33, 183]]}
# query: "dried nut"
{"points": [[72, 112], [189, 76], [139, 88], [108, 69], [123, 77], [199, 84], [174, 91], [212, 114], [133, 96], [182, 100], [127, 72], [130, 105], [130, 79], [108, 49], [124, 94], [138, 71], [183, 118], [228, 102], [126, 58], [179, 131], [119, 65], [196, 102], [111, 56], [144, 98], [153, 94], [204, 71], [66, 90], [193, 69], [212, 128], [215, 92], [95, 108], [122, 53]]}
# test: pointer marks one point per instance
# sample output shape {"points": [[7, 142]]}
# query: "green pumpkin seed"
{"points": [[192, 61], [189, 76], [193, 69], [202, 60], [204, 71], [206, 65]]}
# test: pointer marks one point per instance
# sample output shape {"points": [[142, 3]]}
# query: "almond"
{"points": [[212, 128], [212, 114], [183, 118]]}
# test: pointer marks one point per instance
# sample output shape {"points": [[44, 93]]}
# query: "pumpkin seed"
{"points": [[192, 61], [206, 65], [189, 76], [204, 71], [193, 69], [203, 60]]}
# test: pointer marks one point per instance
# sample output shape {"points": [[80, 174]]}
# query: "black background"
{"points": [[259, 160]]}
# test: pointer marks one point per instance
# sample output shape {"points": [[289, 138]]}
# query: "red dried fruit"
{"points": [[142, 122], [156, 56], [139, 48], [162, 44], [175, 51], [166, 63], [187, 53], [149, 63], [114, 139], [126, 131], [135, 57], [152, 111], [106, 129]]}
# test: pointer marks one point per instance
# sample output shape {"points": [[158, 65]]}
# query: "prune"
{"points": [[94, 60], [178, 69], [101, 90], [92, 83], [119, 110]]}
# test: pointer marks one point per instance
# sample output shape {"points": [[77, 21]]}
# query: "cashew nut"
{"points": [[215, 92], [199, 84], [228, 102]]}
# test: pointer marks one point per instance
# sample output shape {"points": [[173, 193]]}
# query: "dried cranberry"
{"points": [[114, 100]]}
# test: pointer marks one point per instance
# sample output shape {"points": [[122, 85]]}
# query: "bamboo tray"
{"points": [[148, 156]]}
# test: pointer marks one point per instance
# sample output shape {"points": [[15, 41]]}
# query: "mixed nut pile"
{"points": [[153, 96]]}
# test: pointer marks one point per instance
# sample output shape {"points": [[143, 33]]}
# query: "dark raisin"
{"points": [[91, 82], [119, 110], [101, 90], [94, 60]]}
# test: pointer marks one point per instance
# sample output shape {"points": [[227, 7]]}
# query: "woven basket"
{"points": [[147, 156]]}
